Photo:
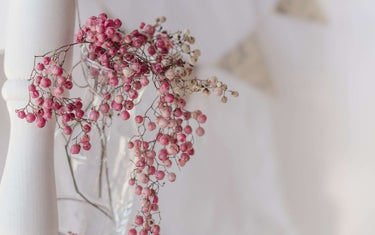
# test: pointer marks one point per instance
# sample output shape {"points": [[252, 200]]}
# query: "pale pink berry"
{"points": [[116, 106], [130, 145], [151, 126], [185, 157], [75, 149], [144, 81], [138, 119], [167, 163], [146, 191], [30, 117], [56, 70], [58, 91], [86, 146], [143, 178], [80, 113], [131, 181], [199, 131], [188, 130], [45, 82], [46, 60], [119, 99], [171, 177], [132, 231], [201, 118], [169, 74], [163, 155], [143, 232], [32, 88], [21, 114], [138, 190], [40, 122], [68, 85], [124, 115], [173, 149], [133, 94], [218, 91], [40, 66], [113, 81], [181, 137], [159, 175], [67, 130], [104, 108], [155, 229], [164, 140], [164, 87], [94, 115], [169, 98], [61, 80], [34, 94], [138, 220]]}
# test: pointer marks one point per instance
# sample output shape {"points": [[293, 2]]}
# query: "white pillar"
{"points": [[28, 192]]}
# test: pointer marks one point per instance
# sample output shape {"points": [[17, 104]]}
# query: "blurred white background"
{"points": [[296, 161]]}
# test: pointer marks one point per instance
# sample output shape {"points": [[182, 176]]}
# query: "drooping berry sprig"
{"points": [[119, 66]]}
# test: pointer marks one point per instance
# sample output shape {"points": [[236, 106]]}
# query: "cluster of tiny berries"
{"points": [[130, 61]]}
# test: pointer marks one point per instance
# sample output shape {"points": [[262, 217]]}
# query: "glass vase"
{"points": [[94, 197]]}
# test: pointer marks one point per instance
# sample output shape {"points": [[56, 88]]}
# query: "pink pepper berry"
{"points": [[45, 82], [113, 81], [151, 126], [138, 119], [138, 220], [164, 87], [56, 70], [201, 118], [199, 131], [67, 130], [144, 81], [61, 80], [104, 108], [155, 229], [80, 113], [21, 114], [133, 94], [130, 145], [159, 175], [143, 232], [34, 94], [86, 146], [40, 122], [171, 177], [131, 181], [32, 88], [181, 137], [46, 60], [37, 80], [94, 115], [169, 98], [30, 117], [132, 232], [40, 66], [75, 149], [167, 163], [68, 85], [124, 115], [138, 190], [58, 91]]}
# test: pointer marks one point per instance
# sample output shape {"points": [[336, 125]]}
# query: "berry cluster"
{"points": [[120, 65]]}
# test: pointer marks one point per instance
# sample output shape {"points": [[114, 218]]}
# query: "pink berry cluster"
{"points": [[121, 65]]}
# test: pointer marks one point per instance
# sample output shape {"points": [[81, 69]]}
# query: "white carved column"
{"points": [[28, 203]]}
